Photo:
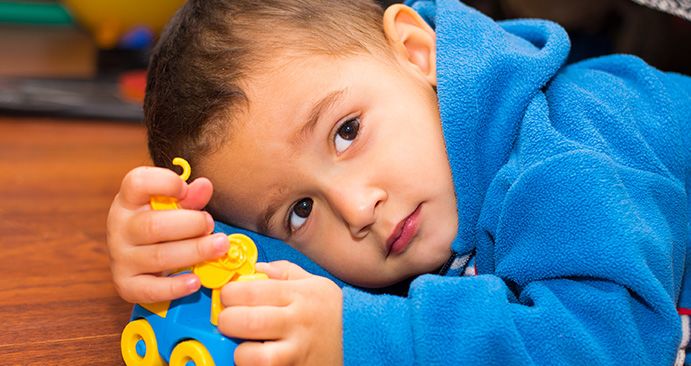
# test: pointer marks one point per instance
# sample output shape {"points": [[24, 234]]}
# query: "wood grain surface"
{"points": [[57, 303]]}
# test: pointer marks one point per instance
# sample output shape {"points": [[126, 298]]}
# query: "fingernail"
{"points": [[220, 243], [192, 283], [210, 222]]}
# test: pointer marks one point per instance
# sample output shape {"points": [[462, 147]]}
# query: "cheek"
{"points": [[335, 251], [225, 207]]}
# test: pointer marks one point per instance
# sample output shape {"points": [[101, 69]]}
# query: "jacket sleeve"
{"points": [[588, 259]]}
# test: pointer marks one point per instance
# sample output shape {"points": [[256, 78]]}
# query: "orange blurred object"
{"points": [[132, 86]]}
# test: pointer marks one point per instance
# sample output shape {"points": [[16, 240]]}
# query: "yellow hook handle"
{"points": [[170, 203], [186, 169]]}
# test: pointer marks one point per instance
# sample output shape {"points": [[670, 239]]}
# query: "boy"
{"points": [[437, 145]]}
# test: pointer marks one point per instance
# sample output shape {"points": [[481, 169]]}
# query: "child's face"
{"points": [[344, 159]]}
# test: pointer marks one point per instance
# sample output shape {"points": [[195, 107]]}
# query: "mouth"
{"points": [[403, 233]]}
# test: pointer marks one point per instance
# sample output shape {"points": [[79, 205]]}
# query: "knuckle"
{"points": [[284, 267], [250, 293], [120, 252], [159, 257], [113, 213], [228, 292], [298, 317], [119, 288], [116, 257], [202, 219], [200, 249], [253, 323], [321, 284], [110, 241], [134, 178], [241, 293], [282, 262], [223, 322], [150, 226], [117, 225], [243, 355], [122, 290], [149, 294]]}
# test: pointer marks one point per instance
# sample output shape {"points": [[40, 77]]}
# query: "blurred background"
{"points": [[78, 58], [86, 58]]}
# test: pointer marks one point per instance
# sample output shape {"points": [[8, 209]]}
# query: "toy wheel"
{"points": [[138, 345], [190, 353]]}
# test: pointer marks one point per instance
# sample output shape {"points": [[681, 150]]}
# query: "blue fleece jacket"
{"points": [[572, 190]]}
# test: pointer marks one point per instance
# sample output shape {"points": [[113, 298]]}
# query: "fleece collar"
{"points": [[487, 72]]}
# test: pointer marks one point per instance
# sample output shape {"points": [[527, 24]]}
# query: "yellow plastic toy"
{"points": [[179, 332], [110, 20], [236, 265], [170, 203]]}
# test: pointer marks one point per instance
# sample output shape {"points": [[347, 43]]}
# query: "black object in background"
{"points": [[98, 98]]}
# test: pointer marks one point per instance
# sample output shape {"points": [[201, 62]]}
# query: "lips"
{"points": [[403, 233]]}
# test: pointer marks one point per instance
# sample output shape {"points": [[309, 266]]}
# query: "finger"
{"points": [[254, 293], [198, 194], [283, 270], [167, 225], [253, 322], [156, 258], [147, 289], [143, 182], [264, 354]]}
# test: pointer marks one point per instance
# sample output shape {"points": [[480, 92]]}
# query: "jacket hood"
{"points": [[487, 74]]}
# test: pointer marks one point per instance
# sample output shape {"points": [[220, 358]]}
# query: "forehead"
{"points": [[258, 153], [281, 100], [290, 82], [290, 92]]}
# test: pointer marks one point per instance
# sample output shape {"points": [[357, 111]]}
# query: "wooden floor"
{"points": [[57, 303]]}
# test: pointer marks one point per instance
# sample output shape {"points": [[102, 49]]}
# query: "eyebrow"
{"points": [[263, 223], [313, 117], [264, 219]]}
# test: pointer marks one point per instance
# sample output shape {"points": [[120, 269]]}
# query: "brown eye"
{"points": [[346, 133], [299, 213]]}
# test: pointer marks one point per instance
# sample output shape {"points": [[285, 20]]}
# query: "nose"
{"points": [[357, 204]]}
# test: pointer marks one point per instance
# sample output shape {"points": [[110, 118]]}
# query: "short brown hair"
{"points": [[210, 47]]}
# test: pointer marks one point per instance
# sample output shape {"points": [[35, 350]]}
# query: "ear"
{"points": [[412, 39]]}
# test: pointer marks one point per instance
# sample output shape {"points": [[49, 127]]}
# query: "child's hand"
{"points": [[298, 313], [145, 244]]}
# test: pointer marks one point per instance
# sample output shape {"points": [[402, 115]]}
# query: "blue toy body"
{"points": [[187, 318]]}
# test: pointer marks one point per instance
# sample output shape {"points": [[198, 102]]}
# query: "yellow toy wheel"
{"points": [[138, 345], [192, 351]]}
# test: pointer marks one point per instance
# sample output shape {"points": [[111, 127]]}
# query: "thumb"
{"points": [[283, 270], [198, 194]]}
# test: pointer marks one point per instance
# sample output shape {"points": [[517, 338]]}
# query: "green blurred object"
{"points": [[27, 12]]}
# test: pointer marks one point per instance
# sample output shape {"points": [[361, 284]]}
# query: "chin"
{"points": [[375, 282], [441, 247], [381, 280], [398, 277]]}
